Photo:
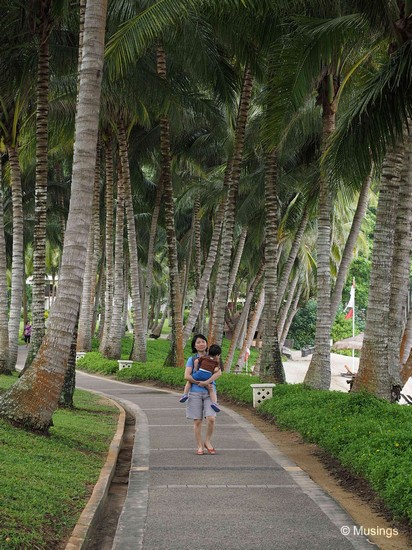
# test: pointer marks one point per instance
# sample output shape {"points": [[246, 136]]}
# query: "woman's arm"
{"points": [[189, 377], [214, 377]]}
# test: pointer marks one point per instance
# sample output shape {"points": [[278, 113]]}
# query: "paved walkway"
{"points": [[249, 496]]}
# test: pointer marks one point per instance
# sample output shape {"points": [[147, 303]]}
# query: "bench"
{"points": [[308, 350]]}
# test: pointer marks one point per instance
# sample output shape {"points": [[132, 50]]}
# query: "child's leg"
{"points": [[186, 391], [213, 398]]}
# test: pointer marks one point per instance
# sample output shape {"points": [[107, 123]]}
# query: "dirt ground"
{"points": [[354, 495]]}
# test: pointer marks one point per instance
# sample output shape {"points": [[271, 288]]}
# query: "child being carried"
{"points": [[204, 367]]}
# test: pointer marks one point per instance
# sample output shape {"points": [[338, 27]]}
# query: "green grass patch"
{"points": [[47, 480], [370, 437]]}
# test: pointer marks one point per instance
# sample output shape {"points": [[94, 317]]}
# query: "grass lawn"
{"points": [[45, 481]]}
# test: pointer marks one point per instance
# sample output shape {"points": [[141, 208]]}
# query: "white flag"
{"points": [[351, 303]]}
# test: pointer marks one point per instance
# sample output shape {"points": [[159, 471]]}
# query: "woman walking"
{"points": [[199, 403]]}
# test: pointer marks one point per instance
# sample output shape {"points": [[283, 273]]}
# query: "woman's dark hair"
{"points": [[195, 337]]}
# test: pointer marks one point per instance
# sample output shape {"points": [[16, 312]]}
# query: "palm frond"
{"points": [[375, 119]]}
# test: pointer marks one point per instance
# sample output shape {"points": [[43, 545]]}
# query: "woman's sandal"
{"points": [[200, 452], [210, 450]]}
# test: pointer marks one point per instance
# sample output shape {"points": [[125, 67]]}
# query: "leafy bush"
{"points": [[302, 329], [369, 436]]}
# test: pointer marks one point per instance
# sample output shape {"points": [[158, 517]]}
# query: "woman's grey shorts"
{"points": [[198, 406]]}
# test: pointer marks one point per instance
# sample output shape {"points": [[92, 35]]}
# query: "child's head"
{"points": [[215, 350]]}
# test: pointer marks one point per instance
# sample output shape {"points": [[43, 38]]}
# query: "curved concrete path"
{"points": [[248, 496]]}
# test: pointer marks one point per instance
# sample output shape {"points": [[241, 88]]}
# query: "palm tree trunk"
{"points": [[271, 366], [157, 330], [400, 272], [116, 329], [251, 329], [349, 246], [237, 258], [287, 270], [222, 279], [243, 318], [40, 211], [84, 336], [32, 400], [283, 313], [4, 330], [291, 314], [17, 269], [373, 374], [108, 300], [318, 375], [139, 333], [150, 255], [205, 278], [175, 357]]}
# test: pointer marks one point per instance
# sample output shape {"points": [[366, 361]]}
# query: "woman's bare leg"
{"points": [[197, 426], [209, 430]]}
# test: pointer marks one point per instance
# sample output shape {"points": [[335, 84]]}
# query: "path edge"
{"points": [[91, 514]]}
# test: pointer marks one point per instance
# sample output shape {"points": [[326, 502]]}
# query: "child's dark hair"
{"points": [[214, 350]]}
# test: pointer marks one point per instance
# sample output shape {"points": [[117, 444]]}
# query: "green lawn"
{"points": [[47, 480]]}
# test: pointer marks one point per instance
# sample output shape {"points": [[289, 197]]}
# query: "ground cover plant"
{"points": [[47, 480], [369, 436]]}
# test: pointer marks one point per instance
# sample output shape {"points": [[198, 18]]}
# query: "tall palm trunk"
{"points": [[205, 278], [139, 334], [349, 246], [150, 255], [236, 259], [175, 357], [318, 375], [199, 326], [4, 331], [108, 300], [222, 279], [251, 329], [84, 335], [373, 374], [17, 269], [400, 273], [291, 314], [283, 312], [243, 317], [40, 210], [116, 329], [271, 366], [287, 270], [31, 401]]}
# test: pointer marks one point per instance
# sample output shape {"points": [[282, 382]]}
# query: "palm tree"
{"points": [[34, 397], [271, 361], [139, 342], [4, 333], [232, 177]]}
